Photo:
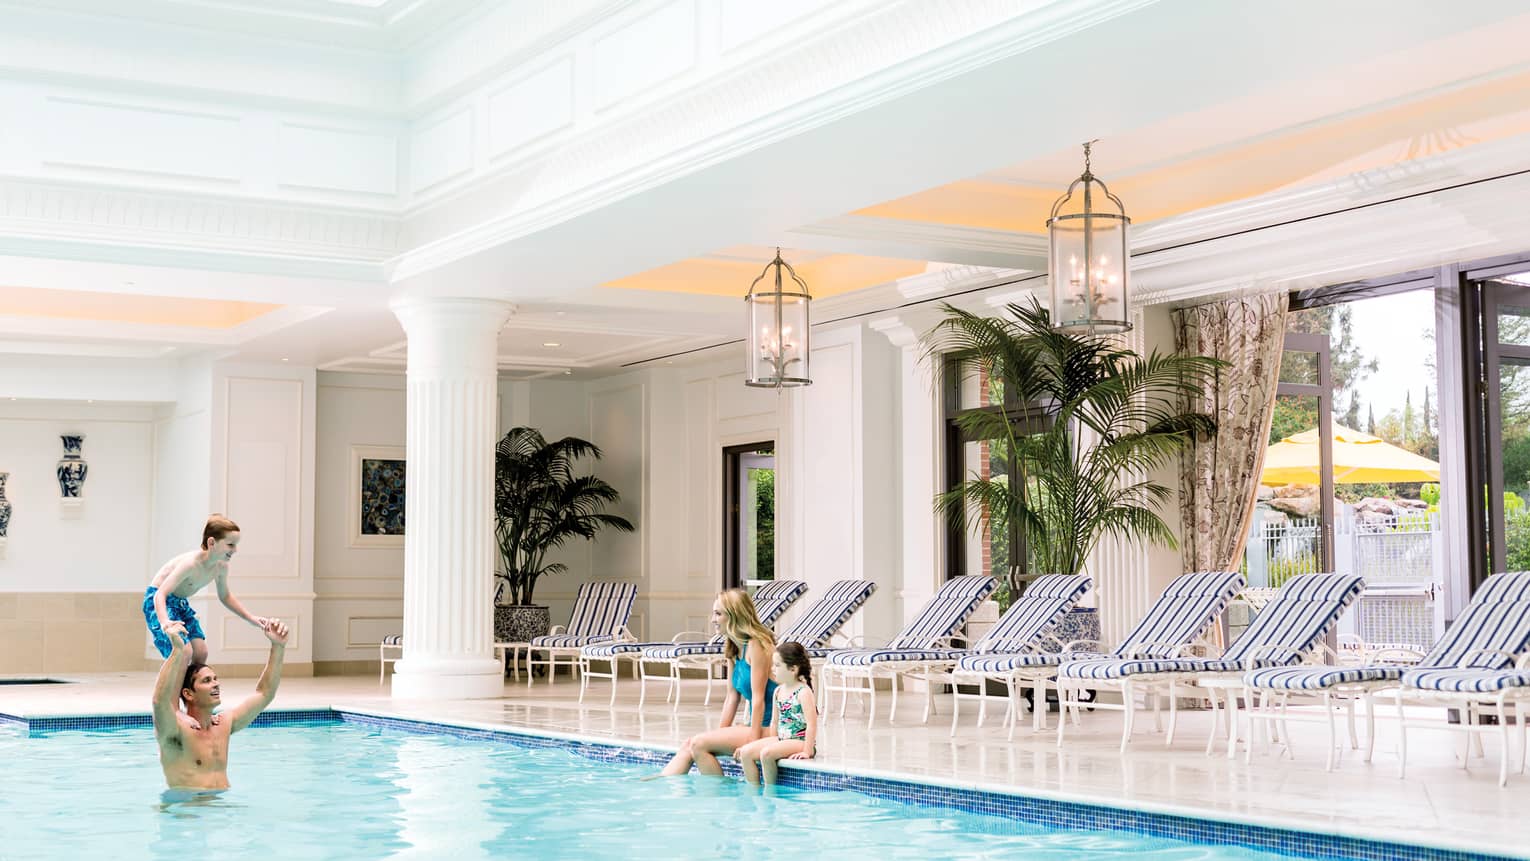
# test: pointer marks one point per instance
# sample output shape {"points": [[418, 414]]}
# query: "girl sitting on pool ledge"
{"points": [[750, 646]]}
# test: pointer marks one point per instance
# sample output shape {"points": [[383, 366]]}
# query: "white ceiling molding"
{"points": [[948, 243]]}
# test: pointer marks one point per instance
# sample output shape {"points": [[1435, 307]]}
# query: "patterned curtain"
{"points": [[1219, 477]]}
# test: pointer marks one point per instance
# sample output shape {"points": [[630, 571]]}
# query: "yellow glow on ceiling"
{"points": [[1386, 138], [128, 308], [729, 272]]}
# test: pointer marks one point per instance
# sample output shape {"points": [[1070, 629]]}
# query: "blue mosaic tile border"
{"points": [[1076, 816], [1073, 816], [43, 726]]}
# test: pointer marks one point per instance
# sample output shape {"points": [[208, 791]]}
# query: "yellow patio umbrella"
{"points": [[1358, 458]]}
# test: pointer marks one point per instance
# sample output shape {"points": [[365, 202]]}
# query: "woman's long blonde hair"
{"points": [[740, 624]]}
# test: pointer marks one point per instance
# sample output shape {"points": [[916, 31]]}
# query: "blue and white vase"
{"points": [[72, 469], [1080, 623], [5, 506]]}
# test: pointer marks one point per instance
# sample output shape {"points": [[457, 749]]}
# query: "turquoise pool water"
{"points": [[351, 791]]}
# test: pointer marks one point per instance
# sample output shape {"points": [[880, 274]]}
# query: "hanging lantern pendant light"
{"points": [[1087, 264], [778, 328]]}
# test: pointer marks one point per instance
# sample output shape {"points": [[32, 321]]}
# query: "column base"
{"points": [[448, 679]]}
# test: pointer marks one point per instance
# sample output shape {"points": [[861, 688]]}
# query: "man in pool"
{"points": [[193, 749]]}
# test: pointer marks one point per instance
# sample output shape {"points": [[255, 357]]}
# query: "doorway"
{"points": [[749, 515]]}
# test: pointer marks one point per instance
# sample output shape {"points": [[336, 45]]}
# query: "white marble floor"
{"points": [[1439, 803]]}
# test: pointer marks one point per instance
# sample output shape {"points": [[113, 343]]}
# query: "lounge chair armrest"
{"points": [[951, 642], [623, 635], [1139, 650], [1523, 662], [690, 637], [1252, 661], [1393, 655], [1075, 645], [557, 629]]}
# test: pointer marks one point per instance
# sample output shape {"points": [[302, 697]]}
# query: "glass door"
{"points": [[1301, 437], [1506, 389], [749, 498]]}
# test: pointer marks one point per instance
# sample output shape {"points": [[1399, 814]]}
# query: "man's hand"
{"points": [[262, 622], [276, 632], [176, 631]]}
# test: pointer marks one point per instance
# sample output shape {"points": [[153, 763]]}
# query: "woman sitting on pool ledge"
{"points": [[193, 750], [749, 645]]}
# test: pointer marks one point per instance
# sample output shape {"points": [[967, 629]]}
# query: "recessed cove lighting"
{"points": [[551, 344], [566, 373], [284, 358]]}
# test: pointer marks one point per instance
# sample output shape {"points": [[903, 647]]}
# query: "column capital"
{"points": [[467, 311], [907, 329]]}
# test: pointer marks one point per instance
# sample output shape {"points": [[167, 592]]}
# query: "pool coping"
{"points": [[1032, 805]]}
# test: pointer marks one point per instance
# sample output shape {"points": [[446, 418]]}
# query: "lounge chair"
{"points": [[814, 629], [1185, 610], [1477, 664], [771, 601], [1026, 627], [1288, 629], [929, 637], [601, 612]]}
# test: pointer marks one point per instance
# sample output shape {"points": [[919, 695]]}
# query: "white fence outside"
{"points": [[1400, 558]]}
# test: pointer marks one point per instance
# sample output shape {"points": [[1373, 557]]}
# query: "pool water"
{"points": [[353, 791]]}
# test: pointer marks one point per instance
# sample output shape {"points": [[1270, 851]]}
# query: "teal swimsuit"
{"points": [[743, 683], [793, 724]]}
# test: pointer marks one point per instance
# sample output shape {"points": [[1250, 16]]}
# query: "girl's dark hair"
{"points": [[796, 658]]}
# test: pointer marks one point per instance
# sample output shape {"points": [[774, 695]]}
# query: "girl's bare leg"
{"points": [[749, 760], [773, 754]]}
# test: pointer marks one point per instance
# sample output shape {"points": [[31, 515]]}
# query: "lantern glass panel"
{"points": [[1088, 272], [778, 340]]}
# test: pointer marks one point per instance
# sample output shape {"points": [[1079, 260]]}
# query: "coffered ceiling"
{"points": [[261, 178]]}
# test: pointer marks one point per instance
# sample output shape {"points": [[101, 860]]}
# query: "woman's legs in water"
{"points": [[704, 749]]}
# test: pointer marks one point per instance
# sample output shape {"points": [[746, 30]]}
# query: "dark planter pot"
{"points": [[519, 623]]}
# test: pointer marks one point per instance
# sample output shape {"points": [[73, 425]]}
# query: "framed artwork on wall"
{"points": [[376, 497]]}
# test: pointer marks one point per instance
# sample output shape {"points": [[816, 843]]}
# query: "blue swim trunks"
{"points": [[179, 610]]}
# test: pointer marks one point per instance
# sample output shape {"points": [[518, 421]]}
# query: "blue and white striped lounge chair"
{"points": [[1289, 628], [814, 629], [1025, 628], [1477, 667], [601, 612], [771, 601], [928, 638], [391, 643], [1184, 612]]}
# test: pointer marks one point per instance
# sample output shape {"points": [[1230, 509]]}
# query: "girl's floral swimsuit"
{"points": [[790, 723]]}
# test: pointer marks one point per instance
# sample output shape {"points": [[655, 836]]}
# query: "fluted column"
{"points": [[449, 502]]}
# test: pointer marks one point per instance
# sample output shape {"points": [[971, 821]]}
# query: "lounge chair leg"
{"points": [[616, 672], [1129, 705], [1216, 722], [1157, 706], [956, 706], [892, 711], [1285, 726], [982, 704], [1013, 688], [584, 684], [1064, 701], [1402, 742], [1503, 744], [1349, 713], [1370, 724], [1333, 732], [1524, 736], [1174, 716], [1039, 705]]}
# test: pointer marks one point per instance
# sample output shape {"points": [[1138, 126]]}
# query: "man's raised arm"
{"points": [[167, 687], [270, 679]]}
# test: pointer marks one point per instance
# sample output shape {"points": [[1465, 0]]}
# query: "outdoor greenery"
{"points": [[764, 523], [540, 503], [1112, 419]]}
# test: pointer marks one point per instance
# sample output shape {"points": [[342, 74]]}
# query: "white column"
{"points": [[919, 460], [449, 508]]}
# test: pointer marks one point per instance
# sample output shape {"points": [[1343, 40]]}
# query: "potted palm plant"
{"points": [[540, 503], [1096, 421]]}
